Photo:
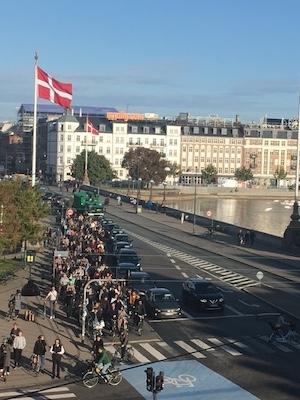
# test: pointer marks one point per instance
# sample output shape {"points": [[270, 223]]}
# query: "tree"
{"points": [[280, 174], [209, 174], [175, 170], [146, 164], [99, 168], [243, 174]]}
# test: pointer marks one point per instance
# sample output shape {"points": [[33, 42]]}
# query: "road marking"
{"points": [[234, 281], [59, 396], [189, 316], [172, 261], [155, 353], [184, 274], [139, 356], [249, 305], [168, 254], [239, 344], [177, 267], [133, 341], [168, 348], [226, 348], [234, 310], [58, 389], [205, 346], [189, 349]]}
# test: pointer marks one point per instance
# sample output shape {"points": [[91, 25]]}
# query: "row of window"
{"points": [[215, 149], [214, 160]]}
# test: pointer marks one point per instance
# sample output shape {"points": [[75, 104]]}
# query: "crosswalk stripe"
{"points": [[278, 345], [189, 349], [228, 278], [206, 347], [155, 353], [60, 396], [241, 345], [225, 273], [9, 394], [139, 356], [251, 283], [168, 348], [237, 280], [58, 389], [209, 267], [226, 348]]}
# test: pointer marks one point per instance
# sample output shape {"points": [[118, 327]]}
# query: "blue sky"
{"points": [[222, 57]]}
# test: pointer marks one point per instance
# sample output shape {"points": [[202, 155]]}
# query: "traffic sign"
{"points": [[209, 213], [259, 275]]}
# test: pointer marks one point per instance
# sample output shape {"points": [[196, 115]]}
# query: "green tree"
{"points": [[280, 174], [99, 168], [146, 164], [209, 174], [175, 170], [243, 174]]}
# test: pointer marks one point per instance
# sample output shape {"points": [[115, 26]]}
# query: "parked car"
{"points": [[121, 245], [124, 269], [140, 282], [161, 303], [203, 294], [121, 237]]}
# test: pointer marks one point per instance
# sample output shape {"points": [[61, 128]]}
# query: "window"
{"points": [[175, 153], [171, 142], [121, 172], [197, 150], [102, 128], [220, 170], [60, 160], [170, 153], [62, 127], [202, 159], [232, 160], [121, 150], [162, 142], [117, 139], [134, 129], [190, 149], [146, 129], [117, 128], [116, 161], [93, 139], [122, 129], [184, 149], [122, 140], [196, 159], [61, 148], [78, 138], [220, 149], [214, 160], [117, 150], [220, 160], [108, 150], [154, 142], [101, 139], [157, 129], [196, 130], [232, 170], [69, 161], [226, 170], [100, 150], [69, 127], [62, 138], [146, 141], [69, 149], [77, 149], [208, 160], [175, 142], [226, 160]]}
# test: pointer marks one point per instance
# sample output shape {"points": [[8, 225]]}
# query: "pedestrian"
{"points": [[52, 298], [98, 343], [7, 356], [14, 331], [17, 303], [252, 237], [11, 306], [119, 200], [19, 345], [57, 350], [40, 351]]}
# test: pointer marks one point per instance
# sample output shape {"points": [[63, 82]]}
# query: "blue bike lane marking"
{"points": [[188, 380]]}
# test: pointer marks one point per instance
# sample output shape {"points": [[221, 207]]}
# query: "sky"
{"points": [[217, 57]]}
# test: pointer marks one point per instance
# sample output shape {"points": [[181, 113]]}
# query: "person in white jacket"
{"points": [[19, 345]]}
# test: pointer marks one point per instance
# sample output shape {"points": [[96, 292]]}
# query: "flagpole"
{"points": [[86, 180], [298, 149], [33, 167]]}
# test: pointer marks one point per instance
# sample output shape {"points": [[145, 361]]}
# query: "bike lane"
{"points": [[187, 379]]}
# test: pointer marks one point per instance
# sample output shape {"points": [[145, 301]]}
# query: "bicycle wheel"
{"points": [[115, 377], [90, 379], [130, 354]]}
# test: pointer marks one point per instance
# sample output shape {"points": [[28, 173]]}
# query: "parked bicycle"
{"points": [[94, 376]]}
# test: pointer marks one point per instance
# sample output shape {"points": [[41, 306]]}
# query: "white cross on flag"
{"points": [[53, 90], [90, 128]]}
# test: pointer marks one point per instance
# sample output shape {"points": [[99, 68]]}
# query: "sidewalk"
{"points": [[67, 331], [266, 259]]}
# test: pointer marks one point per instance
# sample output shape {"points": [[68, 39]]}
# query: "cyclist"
{"points": [[139, 312], [102, 362]]}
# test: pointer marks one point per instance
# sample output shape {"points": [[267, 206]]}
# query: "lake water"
{"points": [[271, 216]]}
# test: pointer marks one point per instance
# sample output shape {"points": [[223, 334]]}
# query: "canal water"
{"points": [[270, 216]]}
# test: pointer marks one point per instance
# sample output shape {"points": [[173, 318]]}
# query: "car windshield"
{"points": [[205, 288], [122, 238], [127, 258], [164, 297]]}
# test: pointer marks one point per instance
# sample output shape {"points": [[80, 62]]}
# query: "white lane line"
{"points": [[216, 269], [139, 356], [172, 261], [249, 305], [239, 280], [168, 254], [189, 349], [241, 345], [242, 286], [155, 353], [234, 310], [58, 389], [59, 396], [226, 348], [177, 267], [9, 394], [185, 275]]}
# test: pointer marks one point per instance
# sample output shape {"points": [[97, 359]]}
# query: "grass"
{"points": [[8, 268]]}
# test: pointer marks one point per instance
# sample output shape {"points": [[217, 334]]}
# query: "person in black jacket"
{"points": [[57, 350], [98, 343], [40, 350]]}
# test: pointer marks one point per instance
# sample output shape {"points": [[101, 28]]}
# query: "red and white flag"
{"points": [[90, 128], [53, 90]]}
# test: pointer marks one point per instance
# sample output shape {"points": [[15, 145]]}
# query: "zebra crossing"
{"points": [[201, 349], [232, 278], [57, 393]]}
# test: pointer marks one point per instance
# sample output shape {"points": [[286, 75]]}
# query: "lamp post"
{"points": [[151, 189], [129, 184], [195, 201], [164, 195], [138, 193]]}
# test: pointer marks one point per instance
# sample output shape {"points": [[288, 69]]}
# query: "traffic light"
{"points": [[149, 379], [159, 382]]}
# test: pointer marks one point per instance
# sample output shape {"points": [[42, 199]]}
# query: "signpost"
{"points": [[209, 215], [260, 276]]}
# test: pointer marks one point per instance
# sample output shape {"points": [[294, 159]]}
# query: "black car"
{"points": [[123, 270], [161, 303], [140, 281], [121, 245], [203, 294], [111, 226], [121, 237], [115, 232], [128, 257]]}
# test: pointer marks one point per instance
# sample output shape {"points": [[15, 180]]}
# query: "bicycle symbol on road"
{"points": [[180, 381]]}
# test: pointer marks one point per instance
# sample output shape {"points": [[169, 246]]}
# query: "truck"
{"points": [[88, 202]]}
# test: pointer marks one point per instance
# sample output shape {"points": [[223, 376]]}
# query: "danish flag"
{"points": [[90, 128], [53, 90]]}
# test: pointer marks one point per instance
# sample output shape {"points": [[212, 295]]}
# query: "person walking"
{"points": [[52, 298], [57, 350], [14, 331], [40, 350], [19, 345], [17, 303]]}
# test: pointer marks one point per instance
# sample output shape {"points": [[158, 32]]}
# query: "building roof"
{"points": [[55, 109], [68, 118]]}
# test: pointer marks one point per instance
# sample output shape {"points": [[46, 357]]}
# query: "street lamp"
{"points": [[195, 201], [138, 192], [164, 196], [151, 189], [129, 183]]}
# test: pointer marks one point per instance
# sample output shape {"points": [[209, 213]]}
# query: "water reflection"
{"points": [[271, 216]]}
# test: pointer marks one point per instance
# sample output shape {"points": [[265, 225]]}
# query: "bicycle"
{"points": [[278, 335], [136, 323], [92, 377], [128, 355]]}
